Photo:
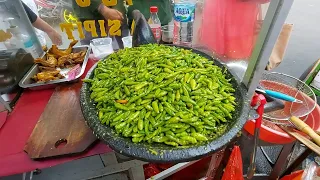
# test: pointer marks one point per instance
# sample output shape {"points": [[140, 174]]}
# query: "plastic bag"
{"points": [[101, 47], [234, 169], [229, 27], [311, 172]]}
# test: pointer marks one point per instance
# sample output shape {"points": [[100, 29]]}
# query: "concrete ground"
{"points": [[303, 50], [304, 45]]}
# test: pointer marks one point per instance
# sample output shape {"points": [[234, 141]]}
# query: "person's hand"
{"points": [[112, 14], [55, 37]]}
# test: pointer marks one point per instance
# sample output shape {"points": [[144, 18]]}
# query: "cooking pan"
{"points": [[164, 153]]}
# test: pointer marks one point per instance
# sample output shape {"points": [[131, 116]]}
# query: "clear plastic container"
{"points": [[20, 40], [167, 33], [127, 42], [154, 23], [101, 47], [184, 13]]}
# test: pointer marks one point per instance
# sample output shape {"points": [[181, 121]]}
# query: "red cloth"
{"points": [[17, 129], [234, 171], [228, 27], [3, 118]]}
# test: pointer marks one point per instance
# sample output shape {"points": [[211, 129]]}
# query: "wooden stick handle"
{"points": [[315, 148], [302, 126]]}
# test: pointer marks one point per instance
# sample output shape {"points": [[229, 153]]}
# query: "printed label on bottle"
{"points": [[156, 32], [184, 12]]}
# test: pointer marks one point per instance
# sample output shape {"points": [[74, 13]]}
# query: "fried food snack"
{"points": [[58, 53], [45, 48], [56, 58], [49, 61], [44, 68], [71, 59], [47, 76]]}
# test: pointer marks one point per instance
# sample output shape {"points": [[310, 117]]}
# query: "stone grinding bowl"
{"points": [[166, 153]]}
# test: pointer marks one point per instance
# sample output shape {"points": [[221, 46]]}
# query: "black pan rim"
{"points": [[143, 151]]}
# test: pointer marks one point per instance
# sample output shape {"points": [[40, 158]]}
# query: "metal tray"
{"points": [[26, 81]]}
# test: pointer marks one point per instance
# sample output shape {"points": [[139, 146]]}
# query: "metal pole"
{"points": [[282, 161], [271, 28]]}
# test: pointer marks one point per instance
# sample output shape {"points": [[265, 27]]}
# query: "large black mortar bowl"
{"points": [[166, 153]]}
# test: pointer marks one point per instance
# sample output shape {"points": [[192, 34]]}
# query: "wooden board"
{"points": [[61, 128], [304, 140]]}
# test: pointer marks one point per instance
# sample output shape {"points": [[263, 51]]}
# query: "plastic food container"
{"points": [[127, 42], [167, 33], [101, 47]]}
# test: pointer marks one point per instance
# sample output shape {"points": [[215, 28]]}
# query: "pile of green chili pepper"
{"points": [[162, 94]]}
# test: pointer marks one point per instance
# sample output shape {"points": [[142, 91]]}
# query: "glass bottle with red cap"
{"points": [[154, 23]]}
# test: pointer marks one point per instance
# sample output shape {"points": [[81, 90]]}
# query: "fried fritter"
{"points": [[54, 49], [44, 68], [50, 61], [47, 76]]}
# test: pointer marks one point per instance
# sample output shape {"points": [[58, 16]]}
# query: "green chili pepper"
{"points": [[190, 77], [159, 139], [120, 106], [161, 94], [133, 116], [178, 96], [117, 95], [175, 86], [150, 136], [155, 106], [121, 125], [169, 111], [188, 100], [152, 120], [181, 134], [146, 126], [146, 101], [147, 115], [119, 117], [127, 131], [199, 137], [100, 115], [160, 107], [186, 77], [171, 143], [189, 139], [169, 133], [185, 91], [140, 124], [173, 120], [148, 107], [193, 84]]}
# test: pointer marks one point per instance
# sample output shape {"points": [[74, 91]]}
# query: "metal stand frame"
{"points": [[134, 168], [271, 28]]}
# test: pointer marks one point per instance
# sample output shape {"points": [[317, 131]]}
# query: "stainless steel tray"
{"points": [[26, 81]]}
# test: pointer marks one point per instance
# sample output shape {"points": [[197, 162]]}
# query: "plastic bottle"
{"points": [[20, 40], [184, 11], [154, 23]]}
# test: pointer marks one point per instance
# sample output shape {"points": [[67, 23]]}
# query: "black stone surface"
{"points": [[165, 153]]}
